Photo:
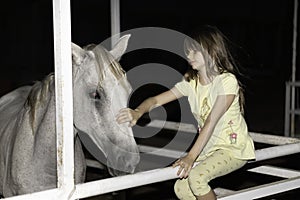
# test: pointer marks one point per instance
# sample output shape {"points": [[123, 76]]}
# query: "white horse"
{"points": [[27, 123]]}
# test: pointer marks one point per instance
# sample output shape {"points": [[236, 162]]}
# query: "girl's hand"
{"points": [[128, 115], [185, 163]]}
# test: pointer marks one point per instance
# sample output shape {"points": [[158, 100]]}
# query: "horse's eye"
{"points": [[95, 95]]}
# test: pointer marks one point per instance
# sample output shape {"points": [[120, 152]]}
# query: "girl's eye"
{"points": [[95, 95]]}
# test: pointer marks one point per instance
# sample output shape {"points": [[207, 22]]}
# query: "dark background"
{"points": [[260, 31]]}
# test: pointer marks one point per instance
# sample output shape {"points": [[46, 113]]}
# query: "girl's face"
{"points": [[196, 59]]}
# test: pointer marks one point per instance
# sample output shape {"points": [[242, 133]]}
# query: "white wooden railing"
{"points": [[67, 190]]}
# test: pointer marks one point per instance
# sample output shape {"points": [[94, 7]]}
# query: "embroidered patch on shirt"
{"points": [[204, 110], [232, 134]]}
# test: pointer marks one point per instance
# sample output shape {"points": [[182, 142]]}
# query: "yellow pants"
{"points": [[196, 184]]}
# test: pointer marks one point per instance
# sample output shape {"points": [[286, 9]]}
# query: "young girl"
{"points": [[216, 100]]}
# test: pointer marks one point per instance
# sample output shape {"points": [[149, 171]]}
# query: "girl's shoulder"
{"points": [[227, 75], [225, 78]]}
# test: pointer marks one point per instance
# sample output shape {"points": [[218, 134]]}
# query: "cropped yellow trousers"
{"points": [[220, 163]]}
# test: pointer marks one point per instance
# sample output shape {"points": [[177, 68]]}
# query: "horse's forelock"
{"points": [[104, 57]]}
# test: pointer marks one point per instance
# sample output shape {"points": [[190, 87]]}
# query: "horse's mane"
{"points": [[38, 94]]}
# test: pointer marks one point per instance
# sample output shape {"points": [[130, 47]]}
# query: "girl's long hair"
{"points": [[211, 42]]}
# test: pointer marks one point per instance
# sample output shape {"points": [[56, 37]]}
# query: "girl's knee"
{"points": [[198, 176], [182, 190], [177, 188], [198, 183]]}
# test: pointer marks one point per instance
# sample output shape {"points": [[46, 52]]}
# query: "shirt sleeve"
{"points": [[228, 84], [183, 87]]}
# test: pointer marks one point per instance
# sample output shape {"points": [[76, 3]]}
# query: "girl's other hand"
{"points": [[185, 165]]}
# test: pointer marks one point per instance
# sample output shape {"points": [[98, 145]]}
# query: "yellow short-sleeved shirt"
{"points": [[231, 132]]}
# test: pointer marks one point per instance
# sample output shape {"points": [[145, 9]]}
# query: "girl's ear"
{"points": [[120, 47]]}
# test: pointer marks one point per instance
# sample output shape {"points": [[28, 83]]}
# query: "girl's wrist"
{"points": [[192, 156], [139, 113]]}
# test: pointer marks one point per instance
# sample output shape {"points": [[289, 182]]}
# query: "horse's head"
{"points": [[101, 89]]}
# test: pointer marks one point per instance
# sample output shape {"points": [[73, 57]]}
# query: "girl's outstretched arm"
{"points": [[132, 116]]}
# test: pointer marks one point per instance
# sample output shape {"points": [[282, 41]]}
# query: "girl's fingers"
{"points": [[175, 164], [124, 115], [123, 119], [179, 171], [184, 168], [187, 171]]}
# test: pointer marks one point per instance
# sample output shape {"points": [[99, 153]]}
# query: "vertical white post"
{"points": [[295, 23], [64, 95], [115, 21]]}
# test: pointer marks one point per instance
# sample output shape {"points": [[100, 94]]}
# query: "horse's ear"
{"points": [[120, 47], [77, 54]]}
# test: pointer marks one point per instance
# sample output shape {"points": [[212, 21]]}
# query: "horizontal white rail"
{"points": [[277, 151], [190, 128], [222, 192], [161, 152], [51, 194], [261, 154], [176, 126], [272, 139], [264, 190], [158, 175], [287, 146], [276, 171], [124, 182]]}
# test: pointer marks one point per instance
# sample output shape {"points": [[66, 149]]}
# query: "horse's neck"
{"points": [[43, 125]]}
